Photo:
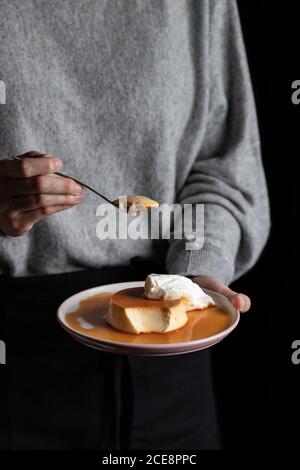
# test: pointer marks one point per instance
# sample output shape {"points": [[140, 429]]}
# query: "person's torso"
{"points": [[116, 89]]}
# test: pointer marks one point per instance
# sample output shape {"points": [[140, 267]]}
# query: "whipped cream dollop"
{"points": [[173, 286]]}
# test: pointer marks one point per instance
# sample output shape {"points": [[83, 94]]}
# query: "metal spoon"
{"points": [[133, 205]]}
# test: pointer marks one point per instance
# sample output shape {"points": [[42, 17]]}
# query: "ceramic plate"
{"points": [[182, 341]]}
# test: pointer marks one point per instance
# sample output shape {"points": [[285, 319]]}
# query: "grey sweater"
{"points": [[135, 96]]}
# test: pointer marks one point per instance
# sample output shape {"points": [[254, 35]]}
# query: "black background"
{"points": [[256, 383]]}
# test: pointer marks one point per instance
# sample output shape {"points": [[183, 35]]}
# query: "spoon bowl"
{"points": [[135, 204]]}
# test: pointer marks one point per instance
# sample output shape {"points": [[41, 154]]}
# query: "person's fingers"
{"points": [[33, 154], [38, 201], [41, 184], [240, 301], [29, 165], [225, 290]]}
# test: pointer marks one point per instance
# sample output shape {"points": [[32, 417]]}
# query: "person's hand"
{"points": [[240, 301], [28, 193]]}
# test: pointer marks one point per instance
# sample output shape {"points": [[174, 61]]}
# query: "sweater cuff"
{"points": [[209, 261]]}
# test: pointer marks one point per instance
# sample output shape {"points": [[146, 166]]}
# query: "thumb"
{"points": [[240, 301]]}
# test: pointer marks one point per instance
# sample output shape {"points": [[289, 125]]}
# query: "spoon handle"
{"points": [[85, 185]]}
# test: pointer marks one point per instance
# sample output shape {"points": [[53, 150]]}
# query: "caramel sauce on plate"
{"points": [[89, 320]]}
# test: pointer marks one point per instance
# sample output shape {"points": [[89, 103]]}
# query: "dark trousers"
{"points": [[59, 394]]}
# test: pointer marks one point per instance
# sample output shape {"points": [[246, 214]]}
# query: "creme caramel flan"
{"points": [[131, 311], [158, 307]]}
